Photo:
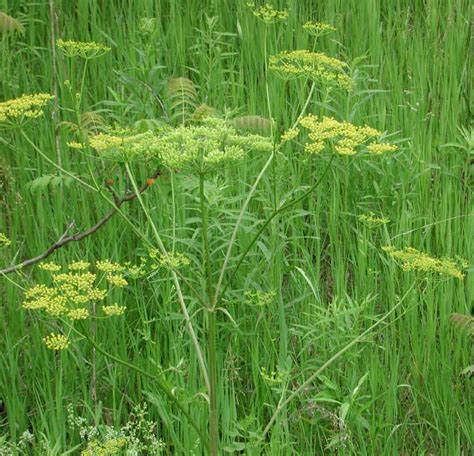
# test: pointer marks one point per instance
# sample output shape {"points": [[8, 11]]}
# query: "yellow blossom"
{"points": [[116, 280], [313, 65], [79, 266], [346, 138], [113, 310], [109, 267], [318, 28], [290, 134], [372, 220], [202, 148], [380, 148], [268, 14], [24, 107], [75, 145], [109, 447], [56, 341], [413, 260], [78, 314], [168, 260], [50, 266], [85, 50]]}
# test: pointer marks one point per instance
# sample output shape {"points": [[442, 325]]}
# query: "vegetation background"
{"points": [[401, 390]]}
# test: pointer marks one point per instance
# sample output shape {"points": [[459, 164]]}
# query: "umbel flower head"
{"points": [[71, 294], [111, 446], [268, 14], [411, 259], [313, 65], [371, 220], [56, 341], [197, 148], [85, 50], [122, 144], [346, 138], [23, 108], [168, 260], [318, 29]]}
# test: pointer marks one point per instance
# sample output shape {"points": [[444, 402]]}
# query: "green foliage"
{"points": [[317, 277]]}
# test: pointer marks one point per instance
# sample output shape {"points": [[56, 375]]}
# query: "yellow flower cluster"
{"points": [[79, 314], [413, 260], [259, 298], [381, 148], [4, 241], [79, 266], [75, 145], [344, 136], [136, 271], [50, 266], [123, 144], [24, 107], [71, 292], [313, 65], [116, 280], [290, 134], [372, 220], [168, 260], [109, 447], [56, 341], [318, 28], [109, 267], [113, 310], [113, 272], [198, 148], [84, 50], [268, 14], [206, 147]]}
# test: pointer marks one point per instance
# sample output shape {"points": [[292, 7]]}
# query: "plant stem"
{"points": [[237, 225], [268, 220], [177, 285], [54, 81], [211, 330]]}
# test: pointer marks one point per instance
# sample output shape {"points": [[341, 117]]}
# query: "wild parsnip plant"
{"points": [[235, 228]]}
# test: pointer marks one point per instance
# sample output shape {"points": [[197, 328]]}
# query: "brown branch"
{"points": [[66, 239]]}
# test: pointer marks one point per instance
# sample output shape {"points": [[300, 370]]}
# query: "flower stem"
{"points": [[211, 330]]}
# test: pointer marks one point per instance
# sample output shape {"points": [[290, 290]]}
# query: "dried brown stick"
{"points": [[66, 238]]}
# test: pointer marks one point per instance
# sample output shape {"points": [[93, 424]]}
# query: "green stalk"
{"points": [[177, 285], [211, 330], [267, 222]]}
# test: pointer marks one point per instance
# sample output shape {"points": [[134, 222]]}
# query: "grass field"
{"points": [[308, 339]]}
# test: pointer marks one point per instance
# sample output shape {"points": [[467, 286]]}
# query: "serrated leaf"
{"points": [[182, 98], [9, 24], [253, 124], [464, 322], [41, 183], [234, 446]]}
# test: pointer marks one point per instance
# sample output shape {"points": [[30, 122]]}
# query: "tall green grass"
{"points": [[401, 387]]}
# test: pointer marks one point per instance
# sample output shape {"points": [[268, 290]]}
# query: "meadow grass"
{"points": [[399, 390]]}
